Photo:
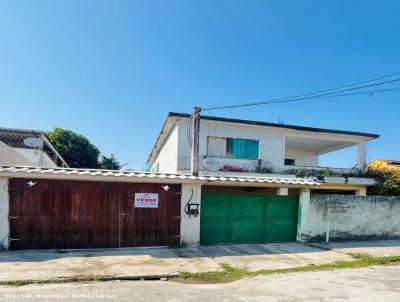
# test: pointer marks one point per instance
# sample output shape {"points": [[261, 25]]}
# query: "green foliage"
{"points": [[261, 168], [76, 149], [110, 163], [327, 172], [302, 172], [388, 179]]}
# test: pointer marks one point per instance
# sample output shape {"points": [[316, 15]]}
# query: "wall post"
{"points": [[304, 207], [190, 226], [4, 214], [361, 155]]}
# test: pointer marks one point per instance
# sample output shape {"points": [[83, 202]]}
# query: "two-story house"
{"points": [[256, 175], [252, 148]]}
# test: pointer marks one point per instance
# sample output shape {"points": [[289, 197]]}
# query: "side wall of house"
{"points": [[167, 159], [4, 213], [36, 157], [348, 217], [9, 156], [303, 158]]}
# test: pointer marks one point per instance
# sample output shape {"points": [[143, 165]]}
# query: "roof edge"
{"points": [[268, 124]]}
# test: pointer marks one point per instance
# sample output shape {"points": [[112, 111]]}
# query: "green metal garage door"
{"points": [[248, 219]]}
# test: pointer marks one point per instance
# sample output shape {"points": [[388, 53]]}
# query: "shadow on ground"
{"points": [[162, 252]]}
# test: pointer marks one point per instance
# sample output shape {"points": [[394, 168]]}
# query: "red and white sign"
{"points": [[146, 200]]}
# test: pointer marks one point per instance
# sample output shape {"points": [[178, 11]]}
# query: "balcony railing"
{"points": [[308, 171]]}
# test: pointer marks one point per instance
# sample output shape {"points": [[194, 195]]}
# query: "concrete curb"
{"points": [[93, 278], [145, 277], [321, 246]]}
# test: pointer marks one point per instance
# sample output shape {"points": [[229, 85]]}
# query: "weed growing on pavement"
{"points": [[228, 273]]}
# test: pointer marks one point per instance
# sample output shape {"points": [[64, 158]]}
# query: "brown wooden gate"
{"points": [[60, 214]]}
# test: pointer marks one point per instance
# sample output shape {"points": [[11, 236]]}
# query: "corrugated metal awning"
{"points": [[116, 175]]}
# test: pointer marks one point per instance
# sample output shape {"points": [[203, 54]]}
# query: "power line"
{"points": [[313, 95], [360, 93]]}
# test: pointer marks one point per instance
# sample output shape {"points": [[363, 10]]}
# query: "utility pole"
{"points": [[194, 163]]}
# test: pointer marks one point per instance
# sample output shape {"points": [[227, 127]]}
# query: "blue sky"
{"points": [[112, 70]]}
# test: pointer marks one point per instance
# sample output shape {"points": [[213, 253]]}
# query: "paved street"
{"points": [[20, 265], [367, 284], [39, 265]]}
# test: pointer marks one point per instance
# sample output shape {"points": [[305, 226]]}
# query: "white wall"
{"points": [[271, 143], [350, 217], [167, 159], [9, 156], [190, 226], [303, 158], [37, 157], [4, 213]]}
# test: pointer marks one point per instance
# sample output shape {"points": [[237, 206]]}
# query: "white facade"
{"points": [[37, 157], [168, 158], [24, 157], [276, 144], [9, 156]]}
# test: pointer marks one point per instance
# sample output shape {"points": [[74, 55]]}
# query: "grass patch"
{"points": [[229, 273]]}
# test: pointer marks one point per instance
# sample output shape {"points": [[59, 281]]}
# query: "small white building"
{"points": [[28, 148]]}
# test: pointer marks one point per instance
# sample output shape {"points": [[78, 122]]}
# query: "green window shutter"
{"points": [[242, 148]]}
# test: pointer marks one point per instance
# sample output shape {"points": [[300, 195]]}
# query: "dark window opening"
{"points": [[289, 162]]}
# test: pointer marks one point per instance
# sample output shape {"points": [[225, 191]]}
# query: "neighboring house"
{"points": [[251, 148], [28, 148]]}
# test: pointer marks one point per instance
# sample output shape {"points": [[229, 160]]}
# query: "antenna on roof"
{"points": [[33, 142]]}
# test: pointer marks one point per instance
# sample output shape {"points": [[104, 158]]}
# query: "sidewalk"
{"points": [[377, 248], [42, 265]]}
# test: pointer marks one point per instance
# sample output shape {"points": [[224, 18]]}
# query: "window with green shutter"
{"points": [[242, 148]]}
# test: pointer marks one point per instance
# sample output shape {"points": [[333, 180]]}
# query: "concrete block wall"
{"points": [[348, 217]]}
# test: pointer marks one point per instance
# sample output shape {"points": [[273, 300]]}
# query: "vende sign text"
{"points": [[146, 200]]}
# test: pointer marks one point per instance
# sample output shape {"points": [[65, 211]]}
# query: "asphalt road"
{"points": [[367, 284]]}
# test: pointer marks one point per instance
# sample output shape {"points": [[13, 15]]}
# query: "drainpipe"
{"points": [[195, 129]]}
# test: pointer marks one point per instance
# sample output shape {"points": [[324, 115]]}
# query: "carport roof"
{"points": [[117, 175]]}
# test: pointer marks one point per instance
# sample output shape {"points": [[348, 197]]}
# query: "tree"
{"points": [[76, 149], [388, 179], [110, 163]]}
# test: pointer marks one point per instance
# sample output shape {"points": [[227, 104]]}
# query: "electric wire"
{"points": [[313, 95]]}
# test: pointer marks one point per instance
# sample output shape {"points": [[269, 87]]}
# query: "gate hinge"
{"points": [[13, 239], [14, 217], [177, 236], [177, 217]]}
